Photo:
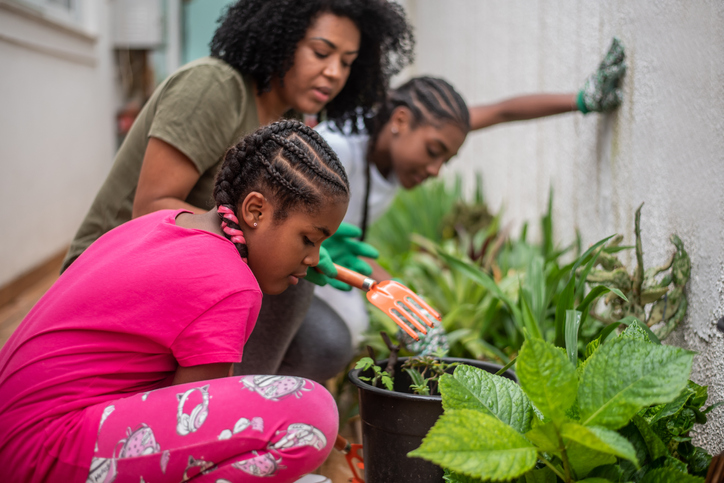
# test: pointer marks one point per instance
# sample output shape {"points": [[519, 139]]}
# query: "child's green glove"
{"points": [[343, 249], [600, 92], [328, 272]]}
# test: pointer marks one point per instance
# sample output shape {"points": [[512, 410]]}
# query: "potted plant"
{"points": [[395, 419]]}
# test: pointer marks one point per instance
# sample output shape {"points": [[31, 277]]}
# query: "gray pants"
{"points": [[297, 334]]}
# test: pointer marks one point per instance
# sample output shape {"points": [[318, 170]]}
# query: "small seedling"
{"points": [[425, 372], [380, 375]]}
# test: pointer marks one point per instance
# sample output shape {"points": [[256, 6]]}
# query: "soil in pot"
{"points": [[394, 423]]}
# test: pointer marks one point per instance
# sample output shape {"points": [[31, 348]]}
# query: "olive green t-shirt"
{"points": [[201, 110]]}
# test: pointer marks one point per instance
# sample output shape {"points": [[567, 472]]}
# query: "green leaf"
{"points": [[626, 375], [543, 475], [638, 330], [600, 439], [583, 459], [547, 377], [364, 363], [473, 388], [565, 303], [529, 320], [591, 297], [654, 445], [452, 477], [456, 443], [545, 437], [573, 321], [668, 475]]}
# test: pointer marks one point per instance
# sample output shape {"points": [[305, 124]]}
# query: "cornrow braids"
{"points": [[431, 100], [287, 162]]}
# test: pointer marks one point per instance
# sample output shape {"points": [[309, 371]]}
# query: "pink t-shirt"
{"points": [[145, 298]]}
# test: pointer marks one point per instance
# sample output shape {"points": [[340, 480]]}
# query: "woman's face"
{"points": [[322, 63], [419, 152]]}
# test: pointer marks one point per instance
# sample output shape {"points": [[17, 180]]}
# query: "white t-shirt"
{"points": [[352, 152]]}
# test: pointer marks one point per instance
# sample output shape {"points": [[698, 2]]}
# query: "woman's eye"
{"points": [[346, 65], [321, 55], [308, 242], [431, 153]]}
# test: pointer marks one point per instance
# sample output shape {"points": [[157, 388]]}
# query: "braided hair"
{"points": [[259, 37], [431, 100], [285, 161]]}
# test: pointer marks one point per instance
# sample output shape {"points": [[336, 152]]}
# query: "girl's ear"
{"points": [[254, 209], [400, 120]]}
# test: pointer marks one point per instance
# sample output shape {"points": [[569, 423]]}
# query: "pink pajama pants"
{"points": [[235, 429]]}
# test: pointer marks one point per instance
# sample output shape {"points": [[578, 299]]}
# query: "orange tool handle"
{"points": [[353, 278]]}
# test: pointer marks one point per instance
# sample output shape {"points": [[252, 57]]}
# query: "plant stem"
{"points": [[564, 458], [553, 468]]}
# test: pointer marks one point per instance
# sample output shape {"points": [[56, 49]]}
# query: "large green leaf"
{"points": [[473, 388], [600, 439], [626, 375], [547, 377], [477, 444], [668, 475], [654, 445]]}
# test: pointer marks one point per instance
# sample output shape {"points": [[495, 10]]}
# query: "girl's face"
{"points": [[419, 152], [322, 63], [281, 252]]}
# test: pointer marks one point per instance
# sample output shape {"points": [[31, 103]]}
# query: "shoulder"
{"points": [[211, 77], [350, 148]]}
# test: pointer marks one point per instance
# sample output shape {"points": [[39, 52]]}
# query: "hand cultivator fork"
{"points": [[394, 299]]}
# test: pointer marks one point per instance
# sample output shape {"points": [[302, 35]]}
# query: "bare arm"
{"points": [[201, 372], [521, 108], [166, 179]]}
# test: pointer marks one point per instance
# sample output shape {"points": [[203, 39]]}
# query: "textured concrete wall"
{"points": [[664, 147], [56, 129]]}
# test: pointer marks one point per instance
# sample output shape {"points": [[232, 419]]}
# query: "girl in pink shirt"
{"points": [[119, 373]]}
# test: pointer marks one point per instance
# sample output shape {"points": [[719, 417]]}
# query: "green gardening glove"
{"points": [[343, 249], [328, 272], [601, 92]]}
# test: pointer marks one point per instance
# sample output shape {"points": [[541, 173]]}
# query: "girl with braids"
{"points": [[419, 127], [267, 57], [120, 372]]}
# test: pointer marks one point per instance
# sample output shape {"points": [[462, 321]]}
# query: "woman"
{"points": [[267, 57]]}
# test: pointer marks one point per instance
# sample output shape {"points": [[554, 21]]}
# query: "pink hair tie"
{"points": [[228, 214], [236, 236]]}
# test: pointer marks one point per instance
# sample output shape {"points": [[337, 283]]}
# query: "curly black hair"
{"points": [[259, 38]]}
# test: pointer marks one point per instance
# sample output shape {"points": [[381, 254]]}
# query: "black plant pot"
{"points": [[394, 423]]}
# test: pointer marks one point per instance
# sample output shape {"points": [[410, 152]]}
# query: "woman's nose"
{"points": [[333, 69]]}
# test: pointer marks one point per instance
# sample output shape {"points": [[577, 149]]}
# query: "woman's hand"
{"points": [[202, 372], [167, 177]]}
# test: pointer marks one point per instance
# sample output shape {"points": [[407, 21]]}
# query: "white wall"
{"points": [[56, 128], [664, 147]]}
